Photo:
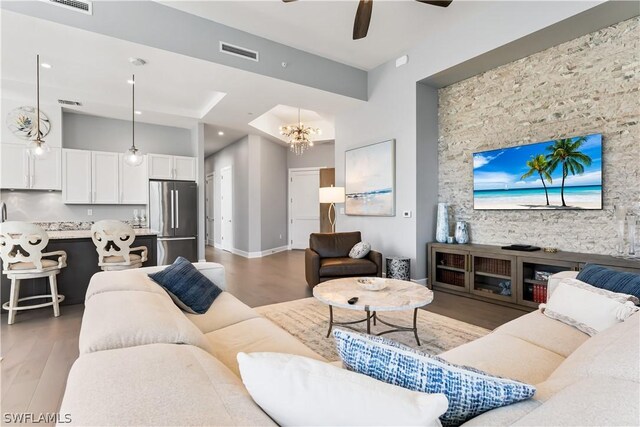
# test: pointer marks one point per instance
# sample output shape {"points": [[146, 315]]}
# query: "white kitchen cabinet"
{"points": [[134, 183], [76, 176], [179, 168], [105, 178], [184, 168], [160, 166], [20, 171], [46, 174]]}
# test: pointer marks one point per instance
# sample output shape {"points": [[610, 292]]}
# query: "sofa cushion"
{"points": [[315, 393], [538, 329], [470, 392], [611, 280], [191, 290], [330, 267], [252, 335], [131, 318], [333, 245], [124, 280], [157, 384], [225, 311], [506, 356]]}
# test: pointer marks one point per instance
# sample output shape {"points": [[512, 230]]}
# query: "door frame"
{"points": [[227, 245], [289, 179], [208, 212]]}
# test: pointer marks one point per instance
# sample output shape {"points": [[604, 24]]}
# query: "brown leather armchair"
{"points": [[328, 258]]}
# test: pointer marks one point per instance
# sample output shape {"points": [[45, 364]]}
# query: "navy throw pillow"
{"points": [[615, 281], [189, 288]]}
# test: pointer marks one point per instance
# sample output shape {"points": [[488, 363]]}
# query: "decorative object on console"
{"points": [[611, 280], [631, 226], [588, 308], [189, 289], [505, 288], [299, 136], [311, 392], [450, 239], [620, 214], [332, 195], [360, 250], [21, 246], [462, 232], [442, 225], [133, 156], [563, 174], [399, 268], [370, 179], [470, 391]]}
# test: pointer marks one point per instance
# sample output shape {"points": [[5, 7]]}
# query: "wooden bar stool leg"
{"points": [[14, 295], [54, 295]]}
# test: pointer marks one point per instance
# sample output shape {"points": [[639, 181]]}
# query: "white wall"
{"points": [[321, 155], [392, 111]]}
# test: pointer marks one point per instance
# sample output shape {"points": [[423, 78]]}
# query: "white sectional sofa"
{"points": [[144, 362]]}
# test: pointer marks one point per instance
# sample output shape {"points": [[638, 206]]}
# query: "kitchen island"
{"points": [[82, 263]]}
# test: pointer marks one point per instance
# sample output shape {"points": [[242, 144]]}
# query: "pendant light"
{"points": [[38, 148], [133, 156]]}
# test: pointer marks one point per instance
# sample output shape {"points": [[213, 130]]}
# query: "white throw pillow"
{"points": [[360, 250], [587, 308], [298, 391]]}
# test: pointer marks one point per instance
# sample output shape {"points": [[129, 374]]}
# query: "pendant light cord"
{"points": [[38, 97]]}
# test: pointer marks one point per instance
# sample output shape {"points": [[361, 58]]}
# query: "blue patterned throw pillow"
{"points": [[470, 391], [189, 288], [615, 281]]}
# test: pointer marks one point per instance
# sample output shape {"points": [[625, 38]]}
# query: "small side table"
{"points": [[398, 268]]}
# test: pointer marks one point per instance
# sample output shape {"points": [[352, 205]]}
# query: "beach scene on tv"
{"points": [[558, 174]]}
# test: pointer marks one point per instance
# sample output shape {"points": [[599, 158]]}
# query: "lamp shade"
{"points": [[331, 194]]}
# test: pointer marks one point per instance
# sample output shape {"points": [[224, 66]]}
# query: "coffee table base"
{"points": [[373, 316]]}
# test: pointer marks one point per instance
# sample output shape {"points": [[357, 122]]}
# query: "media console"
{"points": [[512, 278]]}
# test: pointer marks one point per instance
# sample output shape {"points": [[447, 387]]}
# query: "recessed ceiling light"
{"points": [[251, 114], [220, 133], [137, 61], [130, 82], [45, 65], [138, 112]]}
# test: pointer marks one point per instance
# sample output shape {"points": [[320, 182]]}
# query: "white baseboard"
{"points": [[422, 282], [260, 254], [211, 242]]}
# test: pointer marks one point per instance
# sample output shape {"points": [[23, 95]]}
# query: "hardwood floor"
{"points": [[38, 350]]}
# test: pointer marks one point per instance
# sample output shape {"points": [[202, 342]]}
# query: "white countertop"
{"points": [[86, 234]]}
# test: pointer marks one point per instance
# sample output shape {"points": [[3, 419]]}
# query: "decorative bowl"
{"points": [[372, 283]]}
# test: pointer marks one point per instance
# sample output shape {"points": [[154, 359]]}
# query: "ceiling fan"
{"points": [[363, 15]]}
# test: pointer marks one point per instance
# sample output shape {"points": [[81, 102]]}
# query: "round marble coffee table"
{"points": [[399, 295]]}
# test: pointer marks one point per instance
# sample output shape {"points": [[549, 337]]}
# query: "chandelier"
{"points": [[299, 136]]}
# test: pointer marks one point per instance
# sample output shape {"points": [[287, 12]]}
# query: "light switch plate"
{"points": [[406, 214]]}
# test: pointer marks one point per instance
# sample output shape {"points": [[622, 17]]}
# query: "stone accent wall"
{"points": [[584, 86]]}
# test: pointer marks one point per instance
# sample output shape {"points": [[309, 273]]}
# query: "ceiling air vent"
{"points": [[67, 102], [77, 5], [239, 51]]}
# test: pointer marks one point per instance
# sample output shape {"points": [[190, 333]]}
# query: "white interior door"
{"points": [[208, 197], [304, 206], [226, 208]]}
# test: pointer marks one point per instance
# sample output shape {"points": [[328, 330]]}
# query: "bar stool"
{"points": [[21, 245], [113, 240]]}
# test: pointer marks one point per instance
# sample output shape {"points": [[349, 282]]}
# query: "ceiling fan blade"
{"points": [[363, 18], [442, 3]]}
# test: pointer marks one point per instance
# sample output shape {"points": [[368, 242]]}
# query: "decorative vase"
{"points": [[462, 232], [631, 224], [620, 214], [442, 226]]}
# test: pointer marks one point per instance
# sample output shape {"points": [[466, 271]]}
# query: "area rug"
{"points": [[308, 320]]}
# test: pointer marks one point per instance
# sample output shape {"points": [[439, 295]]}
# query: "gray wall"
{"points": [[273, 198], [391, 113], [87, 132], [588, 85], [235, 155], [321, 155]]}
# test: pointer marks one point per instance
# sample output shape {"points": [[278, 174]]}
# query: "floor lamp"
{"points": [[332, 195]]}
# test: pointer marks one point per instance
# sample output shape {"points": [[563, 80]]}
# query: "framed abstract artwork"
{"points": [[370, 174]]}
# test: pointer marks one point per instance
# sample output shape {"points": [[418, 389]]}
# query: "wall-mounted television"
{"points": [[555, 175]]}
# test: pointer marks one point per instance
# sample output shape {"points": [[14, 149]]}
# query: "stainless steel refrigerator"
{"points": [[173, 212]]}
